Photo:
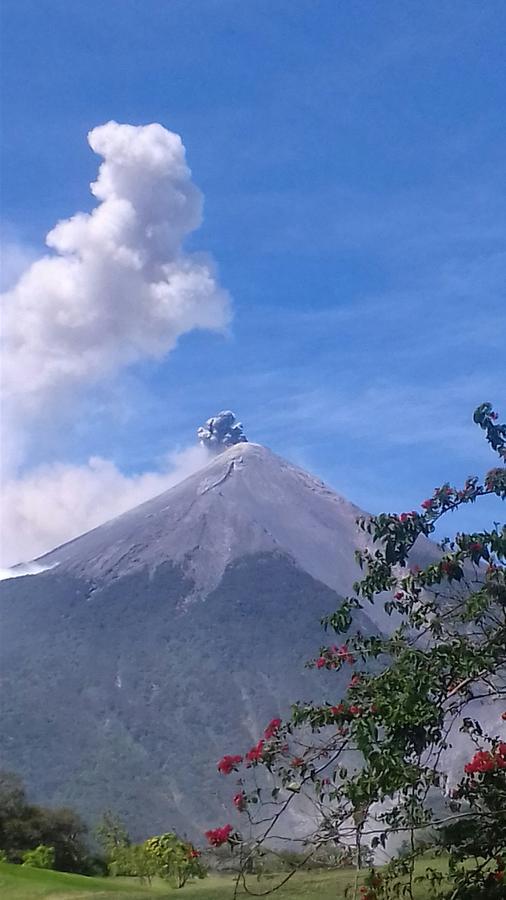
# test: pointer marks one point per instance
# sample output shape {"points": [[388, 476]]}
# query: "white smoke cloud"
{"points": [[119, 285], [55, 503]]}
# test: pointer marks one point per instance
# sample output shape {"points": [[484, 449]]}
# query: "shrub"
{"points": [[176, 860], [41, 857]]}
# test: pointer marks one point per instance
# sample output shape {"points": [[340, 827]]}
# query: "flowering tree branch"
{"points": [[380, 753]]}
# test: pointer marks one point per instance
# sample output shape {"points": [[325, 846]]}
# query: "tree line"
{"points": [[58, 838]]}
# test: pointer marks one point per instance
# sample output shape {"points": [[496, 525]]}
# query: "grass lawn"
{"points": [[23, 883]]}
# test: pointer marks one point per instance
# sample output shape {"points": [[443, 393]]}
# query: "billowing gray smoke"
{"points": [[221, 431]]}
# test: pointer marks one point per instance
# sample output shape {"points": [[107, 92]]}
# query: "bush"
{"points": [[134, 861], [41, 857], [176, 860]]}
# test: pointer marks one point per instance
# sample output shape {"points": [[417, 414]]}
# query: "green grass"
{"points": [[23, 883]]}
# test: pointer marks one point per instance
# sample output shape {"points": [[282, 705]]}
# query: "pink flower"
{"points": [[321, 662], [256, 752], [239, 801], [482, 761], [344, 654], [227, 764], [219, 836], [272, 728]]}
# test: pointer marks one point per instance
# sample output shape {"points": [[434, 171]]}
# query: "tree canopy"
{"points": [[375, 766]]}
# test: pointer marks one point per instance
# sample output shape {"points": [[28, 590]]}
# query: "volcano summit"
{"points": [[154, 644]]}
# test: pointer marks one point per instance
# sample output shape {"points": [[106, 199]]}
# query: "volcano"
{"points": [[151, 646]]}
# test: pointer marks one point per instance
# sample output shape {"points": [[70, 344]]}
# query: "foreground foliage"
{"points": [[374, 765]]}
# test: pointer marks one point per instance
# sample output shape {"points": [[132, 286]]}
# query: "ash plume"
{"points": [[119, 284], [221, 431]]}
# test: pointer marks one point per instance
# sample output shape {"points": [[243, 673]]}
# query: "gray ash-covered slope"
{"points": [[161, 640], [246, 500]]}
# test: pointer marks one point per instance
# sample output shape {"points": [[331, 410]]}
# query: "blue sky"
{"points": [[351, 156]]}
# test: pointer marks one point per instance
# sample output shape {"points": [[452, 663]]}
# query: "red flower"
{"points": [[219, 836], [399, 595], [355, 710], [256, 752], [476, 547], [337, 710], [193, 853], [427, 504], [272, 728], [504, 716], [344, 653], [482, 761], [321, 662], [239, 801], [296, 762], [355, 681], [228, 764]]}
